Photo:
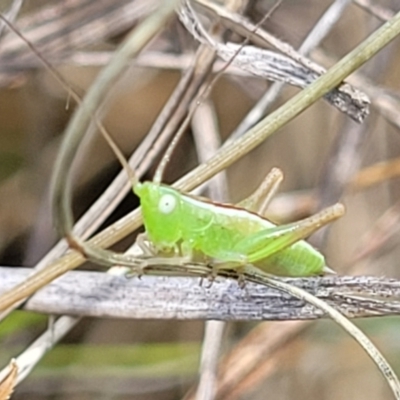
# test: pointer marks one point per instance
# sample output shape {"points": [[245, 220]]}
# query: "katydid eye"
{"points": [[167, 203]]}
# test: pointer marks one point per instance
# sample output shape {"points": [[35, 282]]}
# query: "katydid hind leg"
{"points": [[259, 200], [270, 241]]}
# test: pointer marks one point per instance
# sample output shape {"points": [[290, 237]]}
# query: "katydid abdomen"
{"points": [[228, 234], [299, 259]]}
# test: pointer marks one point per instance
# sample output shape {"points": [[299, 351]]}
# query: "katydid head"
{"points": [[161, 212]]}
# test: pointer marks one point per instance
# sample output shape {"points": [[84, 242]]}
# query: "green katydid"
{"points": [[231, 234]]}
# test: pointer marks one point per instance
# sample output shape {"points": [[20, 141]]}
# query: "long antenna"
{"points": [[170, 149]]}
